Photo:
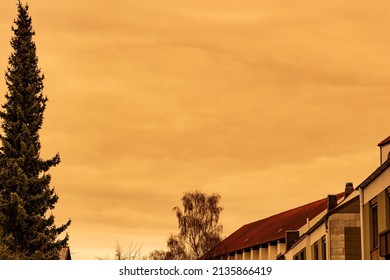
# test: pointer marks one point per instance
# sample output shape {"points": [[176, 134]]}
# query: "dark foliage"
{"points": [[27, 226]]}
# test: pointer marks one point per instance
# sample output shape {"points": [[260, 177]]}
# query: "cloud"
{"points": [[260, 101]]}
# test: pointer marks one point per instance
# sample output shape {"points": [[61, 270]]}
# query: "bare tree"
{"points": [[132, 252], [198, 225]]}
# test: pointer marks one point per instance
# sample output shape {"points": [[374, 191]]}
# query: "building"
{"points": [[375, 208], [334, 234], [351, 225], [269, 238]]}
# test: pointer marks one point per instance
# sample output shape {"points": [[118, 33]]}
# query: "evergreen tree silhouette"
{"points": [[27, 226]]}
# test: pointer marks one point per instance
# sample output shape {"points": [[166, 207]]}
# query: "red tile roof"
{"points": [[384, 142], [269, 229]]}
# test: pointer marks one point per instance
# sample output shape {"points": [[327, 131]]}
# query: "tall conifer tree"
{"points": [[27, 226]]}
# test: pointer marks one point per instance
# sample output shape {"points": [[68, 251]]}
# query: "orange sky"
{"points": [[272, 104]]}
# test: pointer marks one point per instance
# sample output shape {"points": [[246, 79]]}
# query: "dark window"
{"points": [[374, 224], [316, 252], [323, 244], [384, 244], [388, 207], [301, 255]]}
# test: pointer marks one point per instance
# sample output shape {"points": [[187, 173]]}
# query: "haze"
{"points": [[271, 104]]}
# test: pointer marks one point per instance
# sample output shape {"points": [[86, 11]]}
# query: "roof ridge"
{"points": [[339, 195]]}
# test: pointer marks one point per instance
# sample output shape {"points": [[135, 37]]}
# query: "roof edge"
{"points": [[384, 142], [375, 174], [339, 195]]}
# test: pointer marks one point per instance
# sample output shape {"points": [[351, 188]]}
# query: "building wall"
{"points": [[383, 210], [318, 233], [376, 186], [376, 190], [318, 246], [366, 242], [267, 251], [342, 236], [352, 243], [342, 230], [385, 150], [298, 247]]}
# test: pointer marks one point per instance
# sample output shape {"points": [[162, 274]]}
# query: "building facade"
{"points": [[336, 234], [351, 225], [272, 237], [375, 208]]}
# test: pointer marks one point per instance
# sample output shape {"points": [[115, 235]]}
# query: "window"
{"points": [[323, 247], [374, 223], [316, 251], [301, 255], [388, 207], [384, 244]]}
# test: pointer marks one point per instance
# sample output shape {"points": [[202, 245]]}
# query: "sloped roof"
{"points": [[384, 142], [269, 229], [353, 197]]}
